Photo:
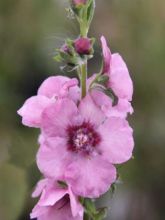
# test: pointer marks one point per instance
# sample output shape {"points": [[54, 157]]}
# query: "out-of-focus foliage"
{"points": [[30, 30], [13, 188]]}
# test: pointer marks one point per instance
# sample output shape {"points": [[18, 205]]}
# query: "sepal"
{"points": [[100, 83], [91, 212], [72, 53]]}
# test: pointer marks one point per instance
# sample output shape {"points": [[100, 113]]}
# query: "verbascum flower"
{"points": [[119, 81], [52, 89], [81, 146], [84, 131], [56, 202]]}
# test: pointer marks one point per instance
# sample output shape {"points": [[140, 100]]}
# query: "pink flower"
{"points": [[119, 81], [81, 145], [56, 202], [53, 88]]}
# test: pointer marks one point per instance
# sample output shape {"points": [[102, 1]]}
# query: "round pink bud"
{"points": [[79, 2], [83, 46]]}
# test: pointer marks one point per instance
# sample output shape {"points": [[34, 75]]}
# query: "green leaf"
{"points": [[90, 11], [102, 213], [90, 206], [113, 189], [109, 92], [102, 79], [57, 58], [86, 217]]}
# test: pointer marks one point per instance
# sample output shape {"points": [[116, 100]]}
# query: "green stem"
{"points": [[83, 29], [83, 79]]}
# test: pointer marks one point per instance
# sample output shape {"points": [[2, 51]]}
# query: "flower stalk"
{"points": [[86, 121], [84, 14], [83, 79], [84, 66]]}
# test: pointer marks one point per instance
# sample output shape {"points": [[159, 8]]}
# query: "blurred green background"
{"points": [[30, 30]]}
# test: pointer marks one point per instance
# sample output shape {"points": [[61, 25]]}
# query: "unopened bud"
{"points": [[79, 2], [65, 48], [83, 46]]}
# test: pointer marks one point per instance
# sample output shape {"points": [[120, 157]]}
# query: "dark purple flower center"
{"points": [[82, 138]]}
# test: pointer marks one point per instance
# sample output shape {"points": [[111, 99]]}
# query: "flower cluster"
{"points": [[84, 130], [81, 140]]}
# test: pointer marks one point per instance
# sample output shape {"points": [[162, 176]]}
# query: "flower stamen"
{"points": [[82, 138]]}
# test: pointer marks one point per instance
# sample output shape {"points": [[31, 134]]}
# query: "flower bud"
{"points": [[79, 2], [64, 48], [83, 46]]}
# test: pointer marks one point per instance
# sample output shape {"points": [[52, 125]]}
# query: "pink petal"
{"points": [[55, 204], [55, 86], [117, 140], [32, 110], [53, 157], [90, 80], [52, 196], [39, 211], [52, 85], [105, 103], [39, 188], [57, 117], [120, 80], [76, 207], [70, 90], [90, 112], [106, 55], [100, 99], [59, 214], [120, 110], [90, 177], [41, 139]]}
